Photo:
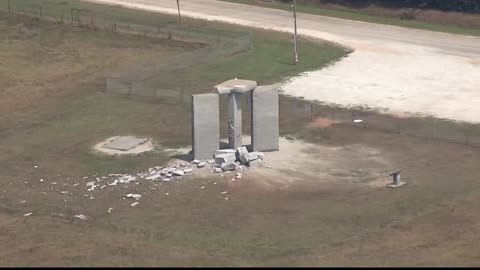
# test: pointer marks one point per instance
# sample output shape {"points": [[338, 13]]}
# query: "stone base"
{"points": [[397, 185]]}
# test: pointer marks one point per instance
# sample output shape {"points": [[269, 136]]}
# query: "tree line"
{"points": [[469, 6]]}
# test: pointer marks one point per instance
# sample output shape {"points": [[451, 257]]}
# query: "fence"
{"points": [[161, 80], [145, 80], [421, 127]]}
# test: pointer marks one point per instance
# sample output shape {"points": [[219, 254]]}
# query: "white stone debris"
{"points": [[134, 204], [202, 187], [238, 175], [114, 183], [28, 214], [178, 172], [81, 216], [41, 180], [110, 210], [133, 196], [188, 170], [65, 192], [196, 161], [36, 166], [201, 164], [225, 158]]}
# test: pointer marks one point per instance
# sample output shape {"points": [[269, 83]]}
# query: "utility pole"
{"points": [[295, 56], [179, 17]]}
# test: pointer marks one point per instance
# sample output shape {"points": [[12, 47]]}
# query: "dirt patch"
{"points": [[320, 122]]}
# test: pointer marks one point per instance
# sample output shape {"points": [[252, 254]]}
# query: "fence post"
{"points": [[366, 122], [312, 113], [433, 128], [467, 136], [333, 117], [41, 11]]}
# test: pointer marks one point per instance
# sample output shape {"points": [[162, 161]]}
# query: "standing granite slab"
{"points": [[265, 119], [205, 125]]}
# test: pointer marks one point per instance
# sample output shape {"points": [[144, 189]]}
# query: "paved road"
{"points": [[399, 69]]}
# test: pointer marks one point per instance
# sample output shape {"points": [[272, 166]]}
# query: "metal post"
{"points": [[295, 31], [179, 16]]}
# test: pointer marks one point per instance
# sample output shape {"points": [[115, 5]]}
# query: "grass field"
{"points": [[359, 15], [53, 112]]}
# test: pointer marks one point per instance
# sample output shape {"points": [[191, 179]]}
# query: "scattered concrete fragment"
{"points": [[256, 163], [225, 158], [114, 183], [188, 170], [218, 170], [134, 204], [242, 154], [81, 216], [110, 210], [178, 172], [196, 161], [133, 196], [64, 192], [238, 175], [229, 166], [201, 164], [28, 214], [166, 179]]}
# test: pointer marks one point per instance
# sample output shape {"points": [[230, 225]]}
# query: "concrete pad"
{"points": [[236, 86], [141, 148], [399, 184], [125, 143]]}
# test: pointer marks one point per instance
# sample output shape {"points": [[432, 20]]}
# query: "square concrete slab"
{"points": [[125, 143], [236, 86], [397, 185]]}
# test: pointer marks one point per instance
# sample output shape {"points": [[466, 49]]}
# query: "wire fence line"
{"points": [[147, 81], [161, 80], [422, 127]]}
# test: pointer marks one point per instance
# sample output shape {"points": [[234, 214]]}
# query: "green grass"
{"points": [[191, 226], [357, 15], [75, 122]]}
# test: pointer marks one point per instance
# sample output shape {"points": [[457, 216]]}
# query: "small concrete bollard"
{"points": [[396, 180]]}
